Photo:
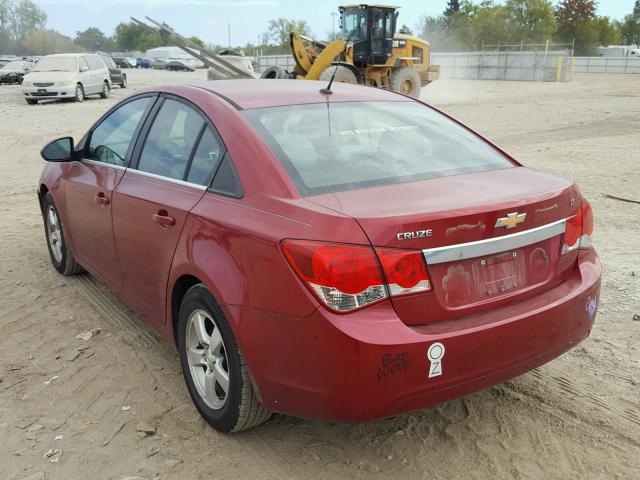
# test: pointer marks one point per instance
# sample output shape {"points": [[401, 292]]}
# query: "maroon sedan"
{"points": [[340, 256]]}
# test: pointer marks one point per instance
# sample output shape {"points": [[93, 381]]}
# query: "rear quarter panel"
{"points": [[233, 246]]}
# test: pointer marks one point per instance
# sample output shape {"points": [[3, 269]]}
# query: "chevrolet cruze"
{"points": [[345, 255]]}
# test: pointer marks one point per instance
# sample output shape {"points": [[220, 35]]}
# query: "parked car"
{"points": [[342, 256], [117, 76], [5, 60], [179, 65], [158, 64], [143, 63], [121, 62], [71, 76], [14, 72]]}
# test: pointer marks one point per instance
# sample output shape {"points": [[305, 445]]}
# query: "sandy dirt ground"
{"points": [[73, 409]]}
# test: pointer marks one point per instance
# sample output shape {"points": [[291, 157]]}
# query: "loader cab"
{"points": [[371, 29]]}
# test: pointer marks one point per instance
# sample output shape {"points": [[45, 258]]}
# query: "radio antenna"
{"points": [[327, 90]]}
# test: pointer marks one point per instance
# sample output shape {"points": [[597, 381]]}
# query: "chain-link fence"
{"points": [[606, 64]]}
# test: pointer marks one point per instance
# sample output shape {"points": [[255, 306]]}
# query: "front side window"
{"points": [[171, 139], [332, 147], [354, 24], [110, 141]]}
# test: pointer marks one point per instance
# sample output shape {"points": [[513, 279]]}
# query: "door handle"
{"points": [[100, 199], [163, 218]]}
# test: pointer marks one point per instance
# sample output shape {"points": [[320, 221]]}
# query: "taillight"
{"points": [[405, 271], [347, 277], [578, 230], [343, 277]]}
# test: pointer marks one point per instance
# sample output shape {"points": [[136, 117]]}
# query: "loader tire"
{"points": [[216, 75], [405, 80], [275, 71], [343, 74]]}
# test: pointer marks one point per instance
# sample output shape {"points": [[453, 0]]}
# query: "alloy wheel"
{"points": [[54, 233], [207, 359]]}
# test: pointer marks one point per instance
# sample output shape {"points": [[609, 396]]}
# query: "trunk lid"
{"points": [[497, 264]]}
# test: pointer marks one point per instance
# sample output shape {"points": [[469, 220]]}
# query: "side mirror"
{"points": [[60, 150], [83, 69]]}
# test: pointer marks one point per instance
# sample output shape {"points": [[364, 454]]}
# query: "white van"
{"points": [[69, 75]]}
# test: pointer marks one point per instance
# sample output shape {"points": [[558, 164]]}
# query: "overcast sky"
{"points": [[208, 19]]}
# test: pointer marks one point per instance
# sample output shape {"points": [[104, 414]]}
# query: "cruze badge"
{"points": [[512, 220], [412, 235]]}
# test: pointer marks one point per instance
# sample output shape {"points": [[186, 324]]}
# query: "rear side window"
{"points": [[171, 140], [332, 147], [111, 139], [205, 159], [95, 63], [226, 181]]}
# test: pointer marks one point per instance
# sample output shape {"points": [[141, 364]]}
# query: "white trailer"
{"points": [[619, 51]]}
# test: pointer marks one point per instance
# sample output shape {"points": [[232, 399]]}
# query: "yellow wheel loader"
{"points": [[369, 53]]}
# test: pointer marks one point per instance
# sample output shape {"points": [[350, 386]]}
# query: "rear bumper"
{"points": [[369, 364]]}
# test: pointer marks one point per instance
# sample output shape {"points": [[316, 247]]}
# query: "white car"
{"points": [[67, 76]]}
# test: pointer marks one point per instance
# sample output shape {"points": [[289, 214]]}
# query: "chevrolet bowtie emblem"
{"points": [[512, 220]]}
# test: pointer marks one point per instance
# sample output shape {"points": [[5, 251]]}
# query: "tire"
{"points": [[79, 94], [105, 90], [231, 411], [31, 101], [215, 75], [274, 72], [123, 83], [61, 256], [405, 80], [343, 74]]}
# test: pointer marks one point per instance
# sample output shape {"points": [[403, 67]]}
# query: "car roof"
{"points": [[69, 54], [247, 94]]}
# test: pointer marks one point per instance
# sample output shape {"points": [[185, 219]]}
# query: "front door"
{"points": [[153, 200], [86, 77], [89, 186], [382, 30]]}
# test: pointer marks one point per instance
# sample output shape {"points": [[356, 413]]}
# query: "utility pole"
{"points": [[229, 33]]}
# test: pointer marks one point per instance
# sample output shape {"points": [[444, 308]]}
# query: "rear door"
{"points": [[89, 186], [174, 166]]}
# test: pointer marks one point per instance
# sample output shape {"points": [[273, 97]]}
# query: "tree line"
{"points": [[468, 25], [464, 25]]}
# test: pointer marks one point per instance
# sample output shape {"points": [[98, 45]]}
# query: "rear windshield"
{"points": [[332, 147]]}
